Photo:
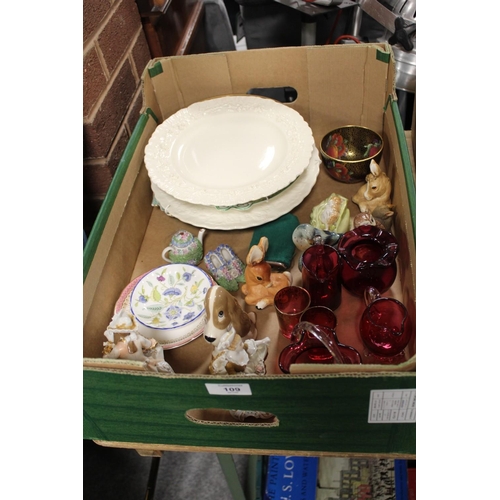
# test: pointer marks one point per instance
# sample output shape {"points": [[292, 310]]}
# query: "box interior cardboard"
{"points": [[335, 87], [143, 231]]}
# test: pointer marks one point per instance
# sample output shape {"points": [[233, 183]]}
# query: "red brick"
{"points": [[141, 54], [117, 34], [101, 132], [97, 177], [94, 81], [98, 174], [94, 12], [117, 150], [134, 112]]}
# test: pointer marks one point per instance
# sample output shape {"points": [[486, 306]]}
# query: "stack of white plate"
{"points": [[232, 162]]}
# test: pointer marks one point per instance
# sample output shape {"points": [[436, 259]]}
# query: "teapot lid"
{"points": [[182, 238]]}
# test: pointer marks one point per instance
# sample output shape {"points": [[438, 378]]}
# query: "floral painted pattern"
{"points": [[335, 148], [170, 296], [372, 149], [341, 172]]}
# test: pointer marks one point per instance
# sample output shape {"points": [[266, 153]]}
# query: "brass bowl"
{"points": [[348, 151]]}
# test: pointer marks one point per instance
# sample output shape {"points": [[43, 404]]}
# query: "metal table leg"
{"points": [[153, 475], [233, 481], [308, 32]]}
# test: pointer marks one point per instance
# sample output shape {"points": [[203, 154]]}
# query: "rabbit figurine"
{"points": [[261, 285], [376, 192]]}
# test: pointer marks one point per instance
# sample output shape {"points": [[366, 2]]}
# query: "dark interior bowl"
{"points": [[348, 151]]}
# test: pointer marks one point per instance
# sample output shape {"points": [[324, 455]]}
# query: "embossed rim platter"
{"points": [[258, 213], [168, 303], [229, 150]]}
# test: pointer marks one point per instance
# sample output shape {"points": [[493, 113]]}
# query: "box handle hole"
{"points": [[219, 416], [281, 94]]}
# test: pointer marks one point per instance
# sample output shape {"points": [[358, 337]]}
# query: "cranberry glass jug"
{"points": [[385, 326], [369, 256]]}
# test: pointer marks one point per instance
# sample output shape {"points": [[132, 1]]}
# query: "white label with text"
{"points": [[229, 389], [392, 406]]}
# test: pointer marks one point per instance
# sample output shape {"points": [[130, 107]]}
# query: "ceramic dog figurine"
{"points": [[232, 332], [224, 315], [376, 192], [261, 285]]}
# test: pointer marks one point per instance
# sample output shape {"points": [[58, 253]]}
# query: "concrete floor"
{"points": [[113, 473]]}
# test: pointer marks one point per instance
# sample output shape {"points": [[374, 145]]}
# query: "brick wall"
{"points": [[115, 53]]}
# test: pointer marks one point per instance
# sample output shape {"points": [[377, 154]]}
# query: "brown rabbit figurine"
{"points": [[376, 192], [261, 284]]}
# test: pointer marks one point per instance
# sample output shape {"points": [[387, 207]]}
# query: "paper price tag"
{"points": [[229, 389], [392, 406]]}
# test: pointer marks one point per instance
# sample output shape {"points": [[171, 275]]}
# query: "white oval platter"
{"points": [[259, 213], [229, 150]]}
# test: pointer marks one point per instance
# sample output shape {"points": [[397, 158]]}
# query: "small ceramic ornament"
{"points": [[306, 235], [123, 322], [125, 342], [233, 356], [184, 248], [366, 219], [331, 214], [381, 218], [135, 347], [384, 215], [225, 267], [376, 192], [261, 285]]}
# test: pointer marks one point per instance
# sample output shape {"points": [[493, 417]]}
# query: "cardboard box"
{"points": [[318, 409]]}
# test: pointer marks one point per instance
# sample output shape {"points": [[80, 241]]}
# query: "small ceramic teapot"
{"points": [[184, 248]]}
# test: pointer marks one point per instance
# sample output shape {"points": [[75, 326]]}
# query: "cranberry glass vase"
{"points": [[369, 257], [321, 275]]}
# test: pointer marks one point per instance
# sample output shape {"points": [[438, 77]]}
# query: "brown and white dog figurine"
{"points": [[224, 315], [232, 332]]}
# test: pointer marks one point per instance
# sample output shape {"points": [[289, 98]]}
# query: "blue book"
{"points": [[401, 479], [291, 478]]}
